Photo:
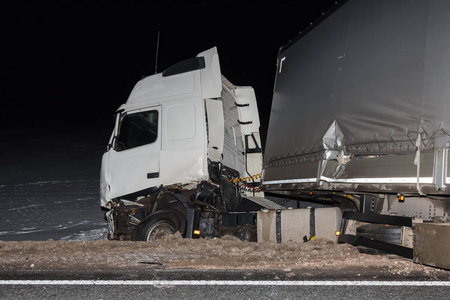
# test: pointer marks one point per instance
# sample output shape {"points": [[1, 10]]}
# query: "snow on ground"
{"points": [[49, 181]]}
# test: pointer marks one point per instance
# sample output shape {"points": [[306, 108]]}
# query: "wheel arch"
{"points": [[173, 217], [175, 208]]}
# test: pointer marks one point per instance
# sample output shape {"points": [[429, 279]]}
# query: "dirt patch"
{"points": [[175, 252]]}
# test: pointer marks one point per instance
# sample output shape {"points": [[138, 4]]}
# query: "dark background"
{"points": [[77, 61]]}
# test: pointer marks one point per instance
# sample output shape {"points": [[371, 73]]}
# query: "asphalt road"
{"points": [[229, 290], [210, 284]]}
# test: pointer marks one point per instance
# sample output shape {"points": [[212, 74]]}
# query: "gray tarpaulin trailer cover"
{"points": [[362, 102]]}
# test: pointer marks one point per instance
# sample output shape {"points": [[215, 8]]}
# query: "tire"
{"points": [[158, 225], [380, 232]]}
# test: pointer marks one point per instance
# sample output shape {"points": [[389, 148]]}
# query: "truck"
{"points": [[356, 149], [184, 152]]}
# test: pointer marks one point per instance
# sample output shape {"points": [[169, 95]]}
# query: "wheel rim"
{"points": [[158, 230]]}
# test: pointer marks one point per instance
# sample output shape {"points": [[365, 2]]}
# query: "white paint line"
{"points": [[225, 283]]}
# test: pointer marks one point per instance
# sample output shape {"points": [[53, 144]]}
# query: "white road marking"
{"points": [[225, 283]]}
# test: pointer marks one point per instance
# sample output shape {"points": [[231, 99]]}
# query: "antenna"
{"points": [[157, 49]]}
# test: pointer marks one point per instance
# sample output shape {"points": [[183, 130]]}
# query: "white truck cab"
{"points": [[184, 127]]}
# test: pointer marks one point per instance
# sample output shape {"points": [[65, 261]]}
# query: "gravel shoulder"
{"points": [[176, 253]]}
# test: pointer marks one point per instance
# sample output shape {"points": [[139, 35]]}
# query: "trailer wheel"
{"points": [[158, 225], [380, 232]]}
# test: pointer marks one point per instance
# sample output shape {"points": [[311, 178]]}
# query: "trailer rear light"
{"points": [[401, 198]]}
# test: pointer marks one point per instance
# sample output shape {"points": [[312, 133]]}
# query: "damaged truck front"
{"points": [[184, 151]]}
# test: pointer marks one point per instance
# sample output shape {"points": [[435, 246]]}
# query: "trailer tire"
{"points": [[158, 225], [380, 232]]}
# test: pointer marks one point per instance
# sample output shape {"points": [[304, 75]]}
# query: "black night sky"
{"points": [[68, 61]]}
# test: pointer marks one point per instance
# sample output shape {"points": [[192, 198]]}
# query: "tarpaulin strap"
{"points": [[417, 163]]}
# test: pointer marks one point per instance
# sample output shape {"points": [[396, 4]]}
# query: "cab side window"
{"points": [[137, 129]]}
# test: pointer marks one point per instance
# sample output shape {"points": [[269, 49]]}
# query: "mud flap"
{"points": [[190, 214]]}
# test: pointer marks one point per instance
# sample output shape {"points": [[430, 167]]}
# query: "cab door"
{"points": [[134, 160]]}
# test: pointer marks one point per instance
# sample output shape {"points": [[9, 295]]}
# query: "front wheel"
{"points": [[158, 225], [158, 230]]}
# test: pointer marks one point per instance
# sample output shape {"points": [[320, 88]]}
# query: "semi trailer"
{"points": [[360, 120]]}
